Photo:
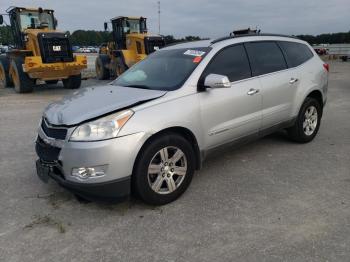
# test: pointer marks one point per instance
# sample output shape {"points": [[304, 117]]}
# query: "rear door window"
{"points": [[295, 53], [265, 57], [232, 62]]}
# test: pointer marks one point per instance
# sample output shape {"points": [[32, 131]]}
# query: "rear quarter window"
{"points": [[265, 57], [295, 53]]}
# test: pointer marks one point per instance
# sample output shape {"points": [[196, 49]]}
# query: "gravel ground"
{"points": [[270, 200]]}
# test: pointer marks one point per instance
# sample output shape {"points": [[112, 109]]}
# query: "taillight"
{"points": [[326, 66]]}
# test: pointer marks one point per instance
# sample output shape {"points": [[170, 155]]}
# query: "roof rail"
{"points": [[250, 34]]}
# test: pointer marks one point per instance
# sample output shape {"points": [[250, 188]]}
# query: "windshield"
{"points": [[131, 26], [163, 70], [34, 19]]}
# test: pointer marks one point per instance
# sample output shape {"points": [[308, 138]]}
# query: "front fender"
{"points": [[179, 112]]}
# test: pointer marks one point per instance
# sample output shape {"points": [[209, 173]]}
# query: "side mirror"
{"points": [[1, 19], [55, 22], [105, 26], [217, 81]]}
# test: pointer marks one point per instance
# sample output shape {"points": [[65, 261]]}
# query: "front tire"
{"points": [[72, 82], [164, 169], [307, 123], [23, 83]]}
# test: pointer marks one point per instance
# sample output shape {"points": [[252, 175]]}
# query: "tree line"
{"points": [[90, 37], [332, 38], [95, 38], [5, 35]]}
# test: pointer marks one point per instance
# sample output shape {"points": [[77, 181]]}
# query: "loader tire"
{"points": [[22, 82], [102, 72], [5, 80], [72, 82], [121, 67]]}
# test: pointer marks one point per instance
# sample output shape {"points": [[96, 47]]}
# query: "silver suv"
{"points": [[150, 129]]}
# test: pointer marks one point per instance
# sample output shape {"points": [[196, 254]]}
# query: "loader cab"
{"points": [[22, 19], [131, 43], [124, 26]]}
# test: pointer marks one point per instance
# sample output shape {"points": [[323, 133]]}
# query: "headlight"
{"points": [[104, 128]]}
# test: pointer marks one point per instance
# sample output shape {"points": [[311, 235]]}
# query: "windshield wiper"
{"points": [[139, 86]]}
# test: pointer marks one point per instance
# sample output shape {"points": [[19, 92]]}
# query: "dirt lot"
{"points": [[271, 200]]}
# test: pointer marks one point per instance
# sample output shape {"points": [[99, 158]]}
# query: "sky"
{"points": [[205, 18]]}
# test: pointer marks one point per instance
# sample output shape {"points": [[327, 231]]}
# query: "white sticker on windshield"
{"points": [[194, 53]]}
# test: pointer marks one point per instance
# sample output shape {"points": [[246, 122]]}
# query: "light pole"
{"points": [[158, 17]]}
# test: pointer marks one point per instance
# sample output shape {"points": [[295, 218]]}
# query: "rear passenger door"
{"points": [[230, 113], [278, 84]]}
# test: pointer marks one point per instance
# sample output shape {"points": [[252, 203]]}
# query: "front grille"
{"points": [[57, 133], [55, 47], [153, 43], [45, 151]]}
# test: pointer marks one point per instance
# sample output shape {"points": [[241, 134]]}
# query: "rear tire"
{"points": [[153, 167], [72, 82], [22, 82], [307, 123], [5, 79], [51, 82], [101, 64]]}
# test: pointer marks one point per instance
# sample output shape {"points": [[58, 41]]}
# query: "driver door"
{"points": [[231, 113]]}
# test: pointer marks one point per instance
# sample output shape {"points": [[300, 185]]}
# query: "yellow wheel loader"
{"points": [[41, 52], [131, 43]]}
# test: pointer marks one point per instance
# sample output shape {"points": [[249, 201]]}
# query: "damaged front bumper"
{"points": [[111, 191], [113, 160]]}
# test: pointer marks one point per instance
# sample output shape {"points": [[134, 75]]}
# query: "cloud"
{"points": [[203, 17]]}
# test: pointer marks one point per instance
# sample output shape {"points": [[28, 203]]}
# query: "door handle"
{"points": [[252, 91], [293, 80]]}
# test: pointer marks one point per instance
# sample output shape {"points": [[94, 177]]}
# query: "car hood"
{"points": [[91, 102]]}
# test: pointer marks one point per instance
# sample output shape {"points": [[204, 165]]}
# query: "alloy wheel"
{"points": [[167, 170], [310, 120]]}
